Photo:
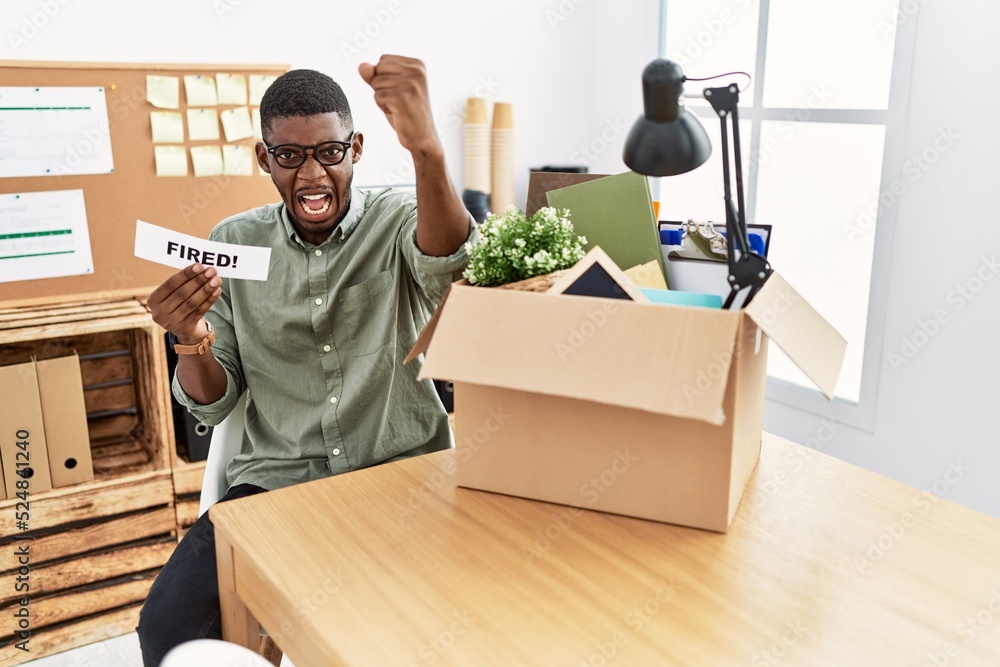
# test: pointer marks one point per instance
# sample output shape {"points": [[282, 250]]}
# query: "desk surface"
{"points": [[825, 564]]}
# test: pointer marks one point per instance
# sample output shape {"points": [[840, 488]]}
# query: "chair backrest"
{"points": [[227, 441], [213, 652]]}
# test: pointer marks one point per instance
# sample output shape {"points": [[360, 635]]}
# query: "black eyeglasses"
{"points": [[328, 153]]}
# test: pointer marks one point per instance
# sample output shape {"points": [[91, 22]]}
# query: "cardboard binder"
{"points": [[60, 389], [22, 432]]}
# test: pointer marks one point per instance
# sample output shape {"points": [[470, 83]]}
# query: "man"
{"points": [[319, 345]]}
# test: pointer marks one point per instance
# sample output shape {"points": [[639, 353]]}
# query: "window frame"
{"points": [[860, 415]]}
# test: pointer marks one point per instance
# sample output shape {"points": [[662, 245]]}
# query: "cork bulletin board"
{"points": [[191, 204]]}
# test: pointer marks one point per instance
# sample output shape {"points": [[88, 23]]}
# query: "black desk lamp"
{"points": [[668, 140]]}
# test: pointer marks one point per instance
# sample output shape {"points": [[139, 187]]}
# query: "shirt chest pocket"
{"points": [[368, 313]]}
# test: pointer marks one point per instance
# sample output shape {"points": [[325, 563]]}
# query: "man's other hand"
{"points": [[180, 302], [400, 86]]}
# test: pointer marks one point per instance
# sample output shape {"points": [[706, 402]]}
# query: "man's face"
{"points": [[317, 196]]}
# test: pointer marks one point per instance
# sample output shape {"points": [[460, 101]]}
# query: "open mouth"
{"points": [[315, 206]]}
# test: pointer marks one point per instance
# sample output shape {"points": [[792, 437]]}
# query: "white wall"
{"points": [[572, 70], [512, 51]]}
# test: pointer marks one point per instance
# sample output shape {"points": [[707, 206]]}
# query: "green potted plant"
{"points": [[514, 251]]}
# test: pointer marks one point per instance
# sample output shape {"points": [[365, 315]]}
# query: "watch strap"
{"points": [[200, 347]]}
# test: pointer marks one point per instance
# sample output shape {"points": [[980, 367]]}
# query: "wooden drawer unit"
{"points": [[95, 547]]}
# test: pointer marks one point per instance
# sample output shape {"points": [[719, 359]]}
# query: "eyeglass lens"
{"points": [[328, 154]]}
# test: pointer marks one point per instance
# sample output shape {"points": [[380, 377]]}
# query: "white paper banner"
{"points": [[165, 246]]}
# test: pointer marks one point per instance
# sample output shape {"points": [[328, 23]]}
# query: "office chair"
{"points": [[227, 440], [213, 652]]}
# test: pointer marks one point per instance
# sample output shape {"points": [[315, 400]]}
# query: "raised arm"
{"points": [[400, 86]]}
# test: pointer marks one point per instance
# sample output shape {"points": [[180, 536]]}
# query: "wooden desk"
{"points": [[826, 564]]}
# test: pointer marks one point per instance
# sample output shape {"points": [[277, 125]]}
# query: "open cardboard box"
{"points": [[638, 409]]}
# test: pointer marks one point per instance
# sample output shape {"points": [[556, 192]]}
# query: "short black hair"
{"points": [[303, 92]]}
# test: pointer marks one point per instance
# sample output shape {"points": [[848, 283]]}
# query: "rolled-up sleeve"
{"points": [[434, 274], [211, 414]]}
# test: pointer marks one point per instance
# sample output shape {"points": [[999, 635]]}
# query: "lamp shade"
{"points": [[667, 139]]}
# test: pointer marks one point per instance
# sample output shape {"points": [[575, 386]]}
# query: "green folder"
{"points": [[616, 213]]}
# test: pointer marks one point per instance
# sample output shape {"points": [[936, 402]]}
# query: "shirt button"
{"points": [[319, 302], [319, 253], [326, 348], [336, 452], [333, 399]]}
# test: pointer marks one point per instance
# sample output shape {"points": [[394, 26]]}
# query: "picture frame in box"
{"points": [[597, 275]]}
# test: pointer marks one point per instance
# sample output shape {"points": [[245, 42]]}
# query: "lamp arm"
{"points": [[741, 208], [750, 269]]}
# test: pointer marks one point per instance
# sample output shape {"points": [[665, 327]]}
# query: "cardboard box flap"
{"points": [[667, 360], [424, 339], [808, 339]]}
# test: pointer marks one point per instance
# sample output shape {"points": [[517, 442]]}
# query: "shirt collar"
{"points": [[354, 212]]}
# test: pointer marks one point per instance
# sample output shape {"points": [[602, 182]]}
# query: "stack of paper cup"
{"points": [[502, 183], [477, 146], [476, 195]]}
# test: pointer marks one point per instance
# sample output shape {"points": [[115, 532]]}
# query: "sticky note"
{"points": [[236, 123], [170, 160], [232, 88], [237, 160], [258, 84], [255, 121], [207, 160], [168, 127], [647, 275], [163, 92], [165, 246], [203, 124], [200, 90]]}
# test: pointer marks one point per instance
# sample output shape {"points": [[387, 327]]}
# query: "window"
{"points": [[821, 130]]}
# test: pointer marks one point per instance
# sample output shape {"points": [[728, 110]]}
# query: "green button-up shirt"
{"points": [[320, 343]]}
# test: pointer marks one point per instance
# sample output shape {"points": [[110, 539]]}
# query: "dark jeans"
{"points": [[183, 603]]}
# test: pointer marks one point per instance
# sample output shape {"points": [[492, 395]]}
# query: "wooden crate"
{"points": [[59, 638], [95, 547], [187, 493], [95, 550], [123, 365]]}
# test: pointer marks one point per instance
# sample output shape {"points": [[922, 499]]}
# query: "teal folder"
{"points": [[616, 213], [673, 297]]}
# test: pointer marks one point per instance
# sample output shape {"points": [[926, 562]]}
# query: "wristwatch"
{"points": [[198, 348]]}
